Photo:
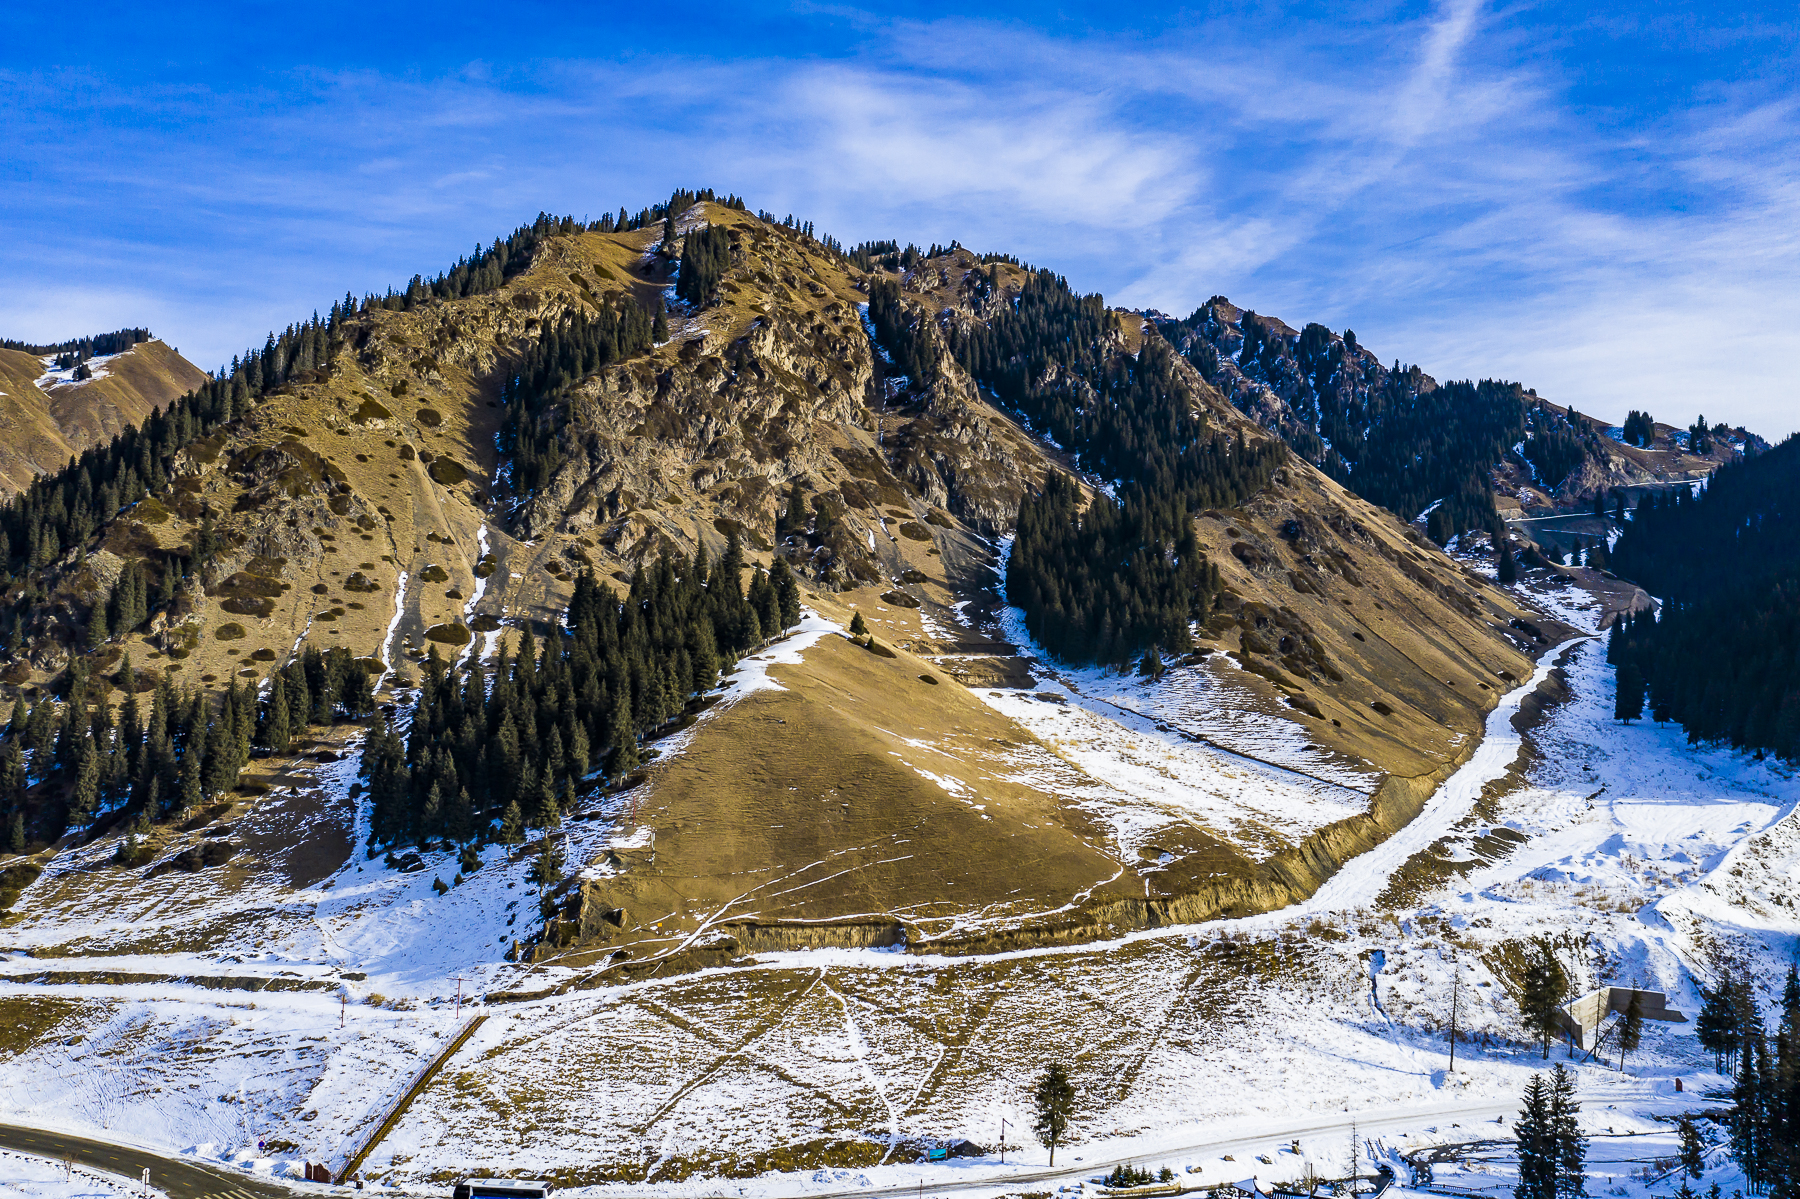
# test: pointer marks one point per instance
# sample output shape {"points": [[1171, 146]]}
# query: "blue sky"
{"points": [[1602, 203]]}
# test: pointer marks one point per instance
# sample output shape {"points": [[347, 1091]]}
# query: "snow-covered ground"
{"points": [[55, 376], [23, 1176], [1648, 861]]}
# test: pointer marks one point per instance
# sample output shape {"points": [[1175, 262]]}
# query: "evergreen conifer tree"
{"points": [[1053, 1103], [1628, 703], [787, 593], [1692, 1148], [86, 798], [1534, 1134], [1716, 1028], [1631, 1028], [512, 825], [1541, 996], [1571, 1143], [793, 519], [276, 734], [192, 793]]}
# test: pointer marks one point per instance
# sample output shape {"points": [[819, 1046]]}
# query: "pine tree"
{"points": [[547, 870], [431, 816], [192, 793], [1716, 1028], [787, 593], [859, 628], [14, 841], [1541, 996], [793, 520], [86, 799], [625, 755], [1571, 1143], [1509, 568], [1628, 704], [1692, 1148], [1750, 1117], [275, 734], [1053, 1102], [1534, 1133], [512, 825], [579, 753], [1784, 1103], [1631, 1028]]}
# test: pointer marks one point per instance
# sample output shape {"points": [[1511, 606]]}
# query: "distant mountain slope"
{"points": [[1470, 452], [48, 416]]}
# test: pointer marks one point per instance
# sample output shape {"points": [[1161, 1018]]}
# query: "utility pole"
{"points": [[1003, 1140], [1455, 988], [1354, 1149], [343, 1007], [459, 983]]}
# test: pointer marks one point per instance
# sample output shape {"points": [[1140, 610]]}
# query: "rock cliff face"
{"points": [[734, 422]]}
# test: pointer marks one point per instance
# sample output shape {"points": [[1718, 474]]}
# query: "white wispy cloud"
{"points": [[1432, 182]]}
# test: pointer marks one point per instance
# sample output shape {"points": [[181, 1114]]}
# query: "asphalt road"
{"points": [[188, 1180], [1476, 1119], [177, 1179]]}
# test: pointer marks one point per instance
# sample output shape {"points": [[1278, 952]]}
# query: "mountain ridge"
{"points": [[50, 417], [480, 452]]}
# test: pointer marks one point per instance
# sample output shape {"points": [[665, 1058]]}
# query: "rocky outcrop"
{"points": [[734, 422]]}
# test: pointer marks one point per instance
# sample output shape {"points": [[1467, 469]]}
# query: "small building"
{"points": [[501, 1188]]}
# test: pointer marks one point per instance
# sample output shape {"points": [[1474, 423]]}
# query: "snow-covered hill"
{"points": [[1649, 862]]}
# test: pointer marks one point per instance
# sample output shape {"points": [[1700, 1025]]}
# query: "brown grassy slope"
{"points": [[148, 376], [808, 807], [1335, 608], [41, 429], [30, 441]]}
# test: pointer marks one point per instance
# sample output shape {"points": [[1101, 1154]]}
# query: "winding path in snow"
{"points": [[1365, 876]]}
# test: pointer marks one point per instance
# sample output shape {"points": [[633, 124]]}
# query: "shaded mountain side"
{"points": [[48, 417], [1720, 655], [439, 474], [1468, 453]]}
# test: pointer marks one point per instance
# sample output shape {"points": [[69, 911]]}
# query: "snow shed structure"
{"points": [[1581, 1019]]}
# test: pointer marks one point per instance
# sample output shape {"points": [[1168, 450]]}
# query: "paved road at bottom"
{"points": [[177, 1179], [1381, 1122], [189, 1180]]}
